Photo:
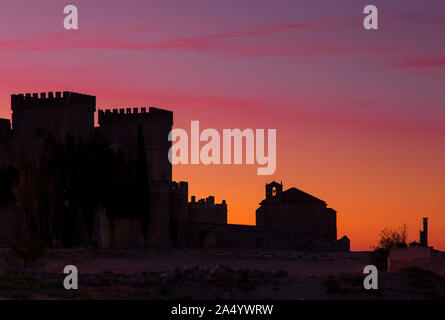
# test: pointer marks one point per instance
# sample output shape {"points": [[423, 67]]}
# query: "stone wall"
{"points": [[207, 211], [414, 257], [10, 221], [243, 236], [5, 143], [5, 156], [119, 232], [179, 200], [297, 218], [126, 233], [34, 116], [116, 233], [158, 233], [121, 127]]}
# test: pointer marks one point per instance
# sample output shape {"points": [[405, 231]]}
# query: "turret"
{"points": [[122, 125], [52, 100], [154, 115], [35, 116]]}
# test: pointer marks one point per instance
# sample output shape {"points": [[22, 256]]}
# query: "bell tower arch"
{"points": [[274, 191]]}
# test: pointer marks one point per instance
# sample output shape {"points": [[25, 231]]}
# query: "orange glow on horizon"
{"points": [[359, 115]]}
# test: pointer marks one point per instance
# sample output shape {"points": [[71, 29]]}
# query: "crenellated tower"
{"points": [[34, 116], [207, 211], [5, 142], [121, 127]]}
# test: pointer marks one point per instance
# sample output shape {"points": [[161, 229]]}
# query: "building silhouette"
{"points": [[295, 211], [285, 219]]}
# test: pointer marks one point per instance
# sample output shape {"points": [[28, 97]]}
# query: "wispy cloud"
{"points": [[423, 63], [95, 39], [276, 39], [419, 18]]}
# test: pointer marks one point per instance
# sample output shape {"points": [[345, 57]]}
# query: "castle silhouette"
{"points": [[285, 219]]}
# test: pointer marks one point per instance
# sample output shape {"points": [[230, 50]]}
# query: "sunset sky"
{"points": [[360, 115]]}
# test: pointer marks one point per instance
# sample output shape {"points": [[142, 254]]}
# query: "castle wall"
{"points": [[296, 218], [121, 127], [116, 233], [10, 221], [158, 232], [5, 143], [102, 229], [280, 223], [5, 131], [178, 201], [35, 116], [206, 211], [197, 235], [126, 233], [411, 257]]}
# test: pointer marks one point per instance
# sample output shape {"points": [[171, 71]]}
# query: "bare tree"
{"points": [[393, 238]]}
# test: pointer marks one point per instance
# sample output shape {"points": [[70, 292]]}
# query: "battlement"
{"points": [[112, 116], [207, 211], [209, 201], [44, 100]]}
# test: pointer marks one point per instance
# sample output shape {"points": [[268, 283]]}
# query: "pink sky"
{"points": [[360, 115]]}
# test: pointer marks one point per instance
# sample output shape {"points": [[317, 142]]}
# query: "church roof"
{"points": [[296, 196]]}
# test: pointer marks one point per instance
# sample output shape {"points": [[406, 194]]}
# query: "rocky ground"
{"points": [[209, 274]]}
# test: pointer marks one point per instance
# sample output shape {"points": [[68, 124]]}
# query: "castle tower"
{"points": [[34, 116], [207, 211], [158, 233], [5, 142], [178, 200], [5, 131], [121, 127]]}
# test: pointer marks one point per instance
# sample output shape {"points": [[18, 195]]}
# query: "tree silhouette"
{"points": [[67, 183], [142, 182], [393, 238], [389, 238], [8, 176]]}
